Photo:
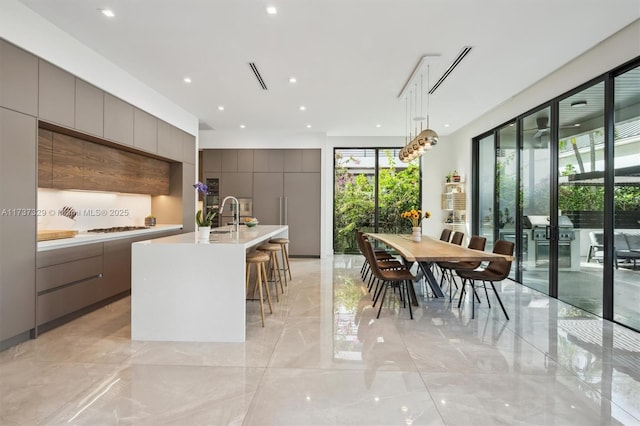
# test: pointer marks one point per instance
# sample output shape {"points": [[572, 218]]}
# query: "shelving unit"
{"points": [[454, 206]]}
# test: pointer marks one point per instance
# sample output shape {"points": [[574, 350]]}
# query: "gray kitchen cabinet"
{"points": [[164, 138], [118, 120], [245, 160], [211, 160], [89, 108], [18, 142], [188, 148], [229, 160], [240, 185], [301, 211], [268, 160], [169, 141], [145, 131], [18, 79], [67, 280], [188, 197], [56, 95], [293, 160], [311, 160], [267, 197]]}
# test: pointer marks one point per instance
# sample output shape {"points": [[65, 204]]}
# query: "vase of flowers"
{"points": [[415, 217], [204, 221]]}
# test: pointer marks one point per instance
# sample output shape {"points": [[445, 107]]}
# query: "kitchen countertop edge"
{"points": [[89, 238]]}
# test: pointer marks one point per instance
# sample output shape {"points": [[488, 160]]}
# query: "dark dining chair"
{"points": [[382, 259], [445, 235], [457, 238], [399, 279], [475, 243], [496, 270]]}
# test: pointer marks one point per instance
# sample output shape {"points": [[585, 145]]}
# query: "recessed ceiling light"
{"points": [[108, 13], [446, 125], [187, 80], [292, 80], [271, 10], [303, 108], [221, 108], [308, 126], [242, 126], [378, 125], [576, 125]]}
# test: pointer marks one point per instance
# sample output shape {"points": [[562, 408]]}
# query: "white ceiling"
{"points": [[351, 57]]}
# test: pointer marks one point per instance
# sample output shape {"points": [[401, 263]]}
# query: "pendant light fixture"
{"points": [[423, 140]]}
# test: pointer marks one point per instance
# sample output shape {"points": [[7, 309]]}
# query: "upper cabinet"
{"points": [[211, 160], [188, 148], [169, 141], [56, 97], [118, 120], [18, 79], [89, 108], [145, 131]]}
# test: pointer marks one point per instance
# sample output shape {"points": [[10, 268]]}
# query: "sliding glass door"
{"points": [[536, 185], [626, 197]]}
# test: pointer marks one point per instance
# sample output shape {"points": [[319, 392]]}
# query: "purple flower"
{"points": [[201, 187]]}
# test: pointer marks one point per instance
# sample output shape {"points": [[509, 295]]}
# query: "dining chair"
{"points": [[399, 279], [457, 238], [496, 270], [380, 255], [383, 259], [445, 235], [475, 243]]}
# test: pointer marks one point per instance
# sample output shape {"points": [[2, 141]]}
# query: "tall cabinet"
{"points": [[284, 185], [17, 223]]}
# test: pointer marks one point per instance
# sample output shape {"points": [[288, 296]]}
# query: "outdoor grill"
{"points": [[540, 230]]}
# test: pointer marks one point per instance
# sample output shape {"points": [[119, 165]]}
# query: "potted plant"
{"points": [[448, 177], [204, 223], [150, 220], [456, 176]]}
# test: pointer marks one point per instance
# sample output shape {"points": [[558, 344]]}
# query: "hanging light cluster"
{"points": [[425, 139]]}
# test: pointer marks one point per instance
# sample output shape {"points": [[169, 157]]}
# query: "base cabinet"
{"points": [[72, 281]]}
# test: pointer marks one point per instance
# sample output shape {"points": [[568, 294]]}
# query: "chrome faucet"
{"points": [[236, 213]]}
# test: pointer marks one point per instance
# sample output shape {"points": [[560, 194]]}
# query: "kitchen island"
{"points": [[184, 289]]}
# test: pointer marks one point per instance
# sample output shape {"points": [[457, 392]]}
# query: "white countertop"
{"points": [[85, 237], [247, 237]]}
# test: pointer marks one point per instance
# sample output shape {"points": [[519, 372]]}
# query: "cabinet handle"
{"points": [[279, 210], [286, 210]]}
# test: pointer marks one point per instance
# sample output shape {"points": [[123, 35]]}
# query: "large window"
{"points": [[371, 188]]}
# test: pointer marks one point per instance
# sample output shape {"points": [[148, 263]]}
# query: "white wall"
{"points": [[616, 50], [28, 30]]}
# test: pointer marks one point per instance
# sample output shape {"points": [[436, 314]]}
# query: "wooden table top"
{"points": [[434, 250]]}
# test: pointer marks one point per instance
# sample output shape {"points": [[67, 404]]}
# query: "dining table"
{"points": [[429, 251]]}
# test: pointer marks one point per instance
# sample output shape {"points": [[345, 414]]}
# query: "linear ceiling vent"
{"points": [[202, 125], [465, 50], [254, 68]]}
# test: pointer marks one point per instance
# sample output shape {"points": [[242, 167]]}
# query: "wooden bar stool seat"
{"points": [[285, 256], [274, 266], [259, 259]]}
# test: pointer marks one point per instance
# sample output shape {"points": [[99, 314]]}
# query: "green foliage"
{"points": [[354, 200], [205, 221]]}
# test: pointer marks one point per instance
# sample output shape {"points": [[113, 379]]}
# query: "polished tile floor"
{"points": [[324, 359]]}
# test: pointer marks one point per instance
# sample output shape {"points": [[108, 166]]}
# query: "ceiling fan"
{"points": [[542, 127]]}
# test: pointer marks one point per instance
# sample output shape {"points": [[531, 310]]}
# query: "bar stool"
{"points": [[259, 259], [274, 267], [285, 256]]}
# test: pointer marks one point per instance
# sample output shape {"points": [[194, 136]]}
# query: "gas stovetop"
{"points": [[118, 229]]}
